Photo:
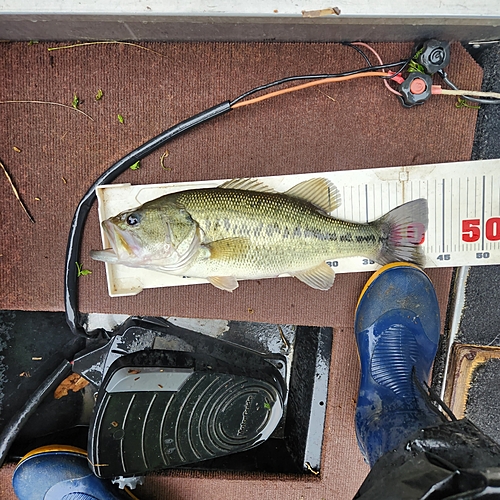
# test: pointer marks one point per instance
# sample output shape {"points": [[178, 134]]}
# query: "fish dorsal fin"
{"points": [[248, 185], [320, 277], [319, 191]]}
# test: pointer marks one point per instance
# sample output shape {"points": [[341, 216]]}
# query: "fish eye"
{"points": [[132, 219]]}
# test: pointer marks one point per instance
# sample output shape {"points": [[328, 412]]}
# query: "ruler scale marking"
{"points": [[491, 197], [435, 213], [442, 216], [366, 202], [374, 200], [467, 207], [475, 195], [343, 202], [492, 213], [459, 206], [451, 207], [352, 207], [381, 198], [482, 213], [497, 208]]}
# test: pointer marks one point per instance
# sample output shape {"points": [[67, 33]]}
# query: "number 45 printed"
{"points": [[471, 229]]}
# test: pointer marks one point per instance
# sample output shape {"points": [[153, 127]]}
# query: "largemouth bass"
{"points": [[243, 229]]}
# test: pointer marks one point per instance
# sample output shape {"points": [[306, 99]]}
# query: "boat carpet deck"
{"points": [[54, 154]]}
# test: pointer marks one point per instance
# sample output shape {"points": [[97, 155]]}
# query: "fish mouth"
{"points": [[110, 234], [122, 243]]}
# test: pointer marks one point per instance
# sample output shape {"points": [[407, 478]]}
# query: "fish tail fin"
{"points": [[402, 230]]}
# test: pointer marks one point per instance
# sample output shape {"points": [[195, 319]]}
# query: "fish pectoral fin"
{"points": [[228, 283], [320, 277], [247, 184], [319, 191], [228, 248]]}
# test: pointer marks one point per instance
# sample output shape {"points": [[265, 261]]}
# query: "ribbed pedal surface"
{"points": [[212, 414], [393, 359], [216, 414]]}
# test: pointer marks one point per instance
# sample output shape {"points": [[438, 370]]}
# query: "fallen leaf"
{"points": [[310, 469], [81, 271], [74, 382], [322, 12], [162, 159]]}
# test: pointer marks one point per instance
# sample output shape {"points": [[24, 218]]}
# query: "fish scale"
{"points": [[288, 233]]}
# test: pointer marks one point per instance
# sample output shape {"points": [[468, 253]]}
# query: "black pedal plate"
{"points": [[160, 409]]}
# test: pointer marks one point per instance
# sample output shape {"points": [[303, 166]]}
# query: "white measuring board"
{"points": [[463, 200]]}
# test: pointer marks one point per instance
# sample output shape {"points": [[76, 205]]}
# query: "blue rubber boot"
{"points": [[397, 330], [62, 473]]}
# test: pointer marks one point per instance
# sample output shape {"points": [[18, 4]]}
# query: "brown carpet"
{"points": [[341, 126]]}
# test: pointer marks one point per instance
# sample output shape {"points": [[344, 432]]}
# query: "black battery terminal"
{"points": [[432, 56]]}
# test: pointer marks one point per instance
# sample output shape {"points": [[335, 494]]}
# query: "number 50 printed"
{"points": [[471, 229]]}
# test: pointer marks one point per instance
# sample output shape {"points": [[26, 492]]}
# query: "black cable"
{"points": [[359, 51], [388, 77], [82, 211], [315, 77], [445, 78], [399, 71]]}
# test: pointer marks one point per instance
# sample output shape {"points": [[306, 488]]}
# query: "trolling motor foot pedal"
{"points": [[158, 409]]}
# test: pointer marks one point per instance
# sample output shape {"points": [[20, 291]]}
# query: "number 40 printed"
{"points": [[471, 229]]}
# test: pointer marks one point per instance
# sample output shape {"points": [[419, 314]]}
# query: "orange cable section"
{"points": [[306, 85]]}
